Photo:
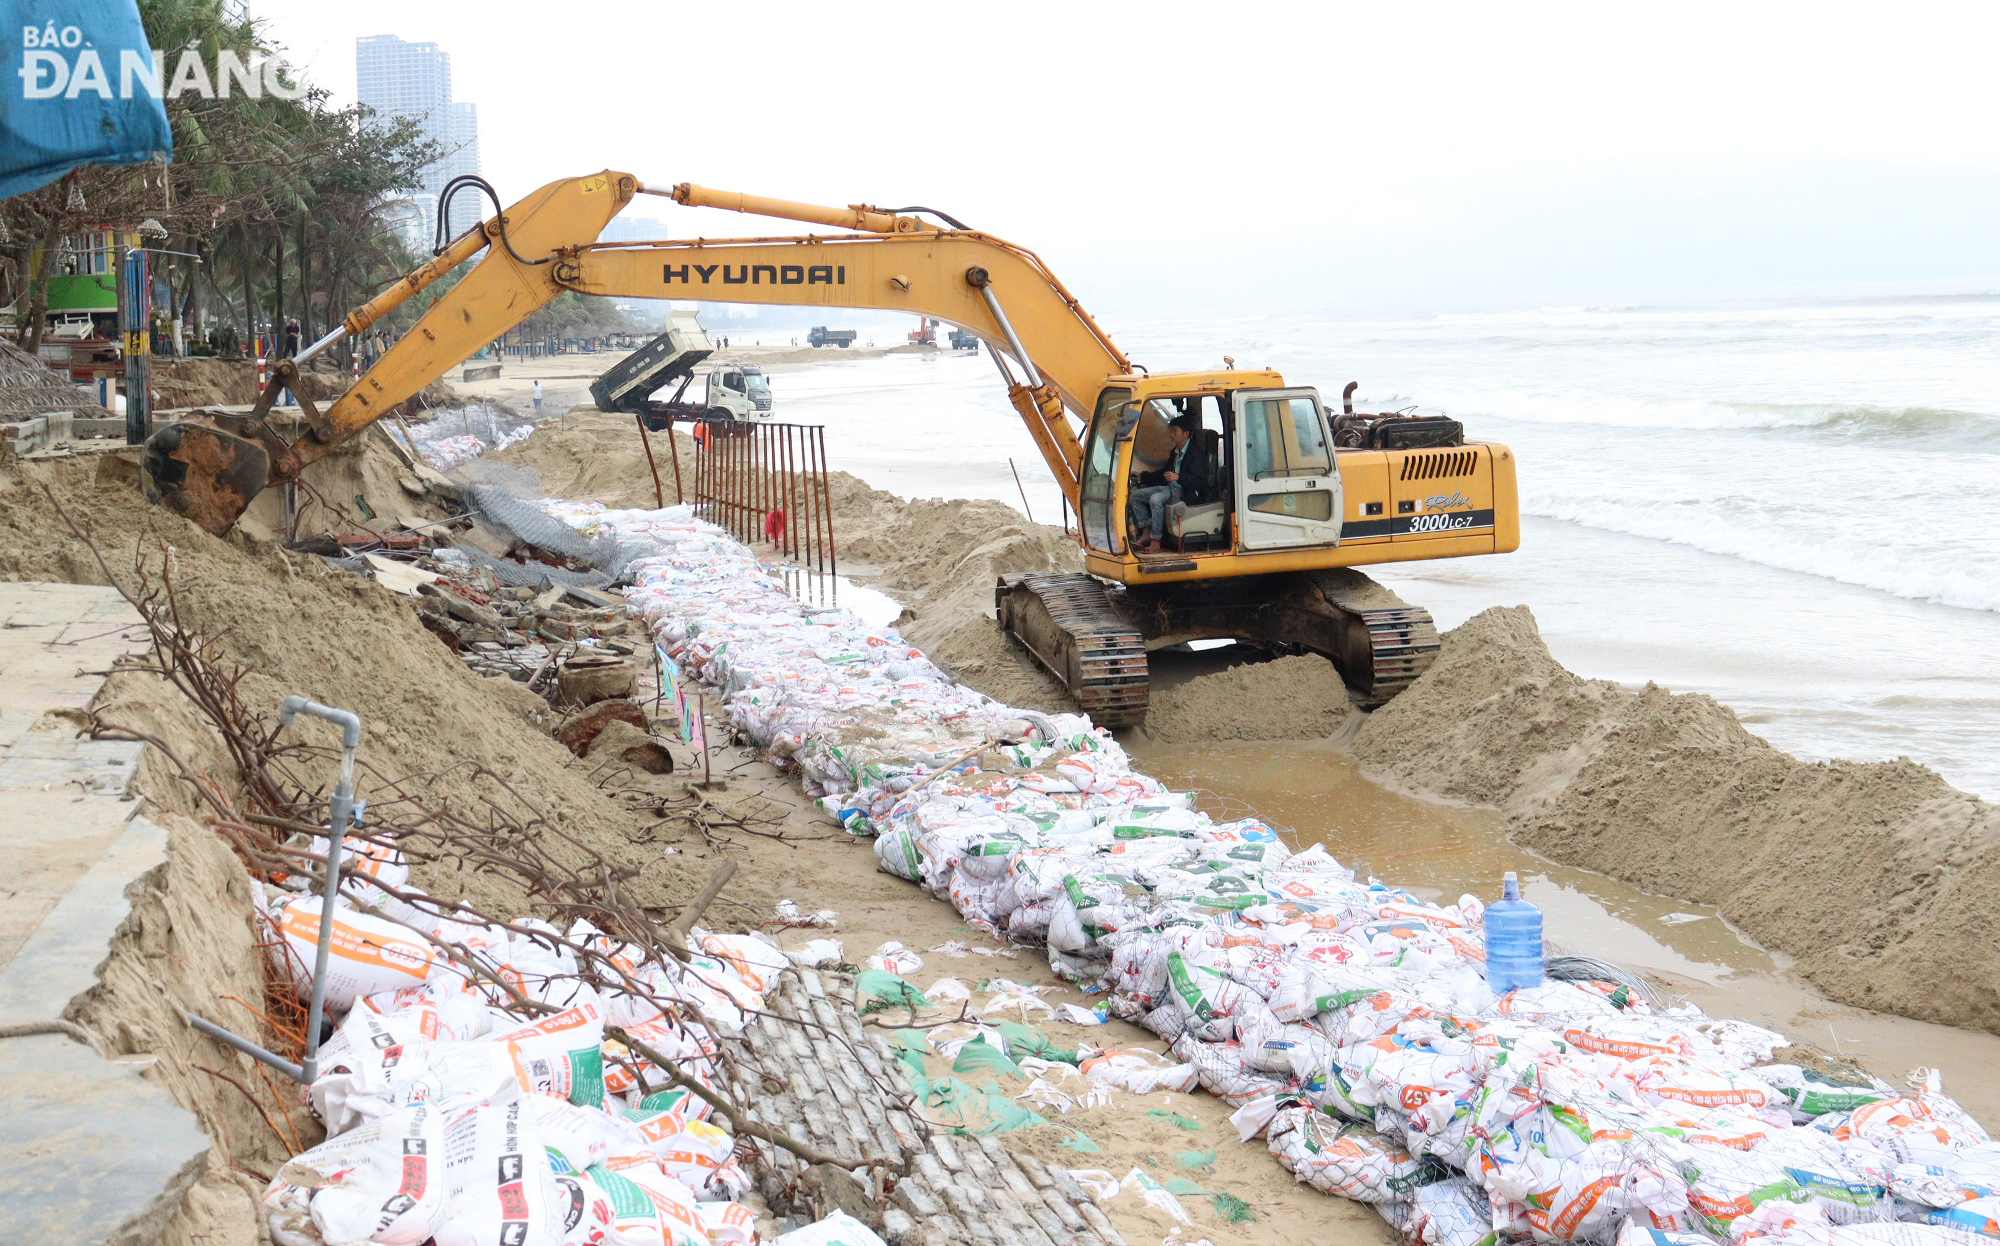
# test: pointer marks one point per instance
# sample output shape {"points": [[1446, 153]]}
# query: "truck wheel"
{"points": [[718, 413]]}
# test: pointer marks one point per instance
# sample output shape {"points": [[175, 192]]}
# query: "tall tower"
{"points": [[413, 80]]}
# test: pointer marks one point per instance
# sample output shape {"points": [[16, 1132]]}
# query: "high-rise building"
{"points": [[413, 80]]}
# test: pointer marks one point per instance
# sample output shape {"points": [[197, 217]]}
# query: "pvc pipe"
{"points": [[341, 811], [247, 1047]]}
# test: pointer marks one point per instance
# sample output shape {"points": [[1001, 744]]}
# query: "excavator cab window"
{"points": [[1151, 442], [1288, 491], [1282, 437], [1099, 502]]}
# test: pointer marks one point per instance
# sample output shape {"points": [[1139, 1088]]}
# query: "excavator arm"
{"points": [[546, 243]]}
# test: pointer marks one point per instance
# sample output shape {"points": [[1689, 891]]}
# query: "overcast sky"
{"points": [[1296, 156]]}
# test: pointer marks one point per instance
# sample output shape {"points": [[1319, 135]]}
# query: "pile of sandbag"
{"points": [[1348, 1020], [471, 1096]]}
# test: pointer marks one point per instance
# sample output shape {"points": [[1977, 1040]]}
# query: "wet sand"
{"points": [[1440, 851]]}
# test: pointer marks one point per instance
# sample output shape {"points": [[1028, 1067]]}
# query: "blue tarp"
{"points": [[80, 87]]}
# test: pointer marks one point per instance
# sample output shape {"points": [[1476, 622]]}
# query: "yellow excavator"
{"points": [[1262, 551]]}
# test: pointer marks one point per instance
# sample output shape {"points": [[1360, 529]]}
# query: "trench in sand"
{"points": [[1439, 852]]}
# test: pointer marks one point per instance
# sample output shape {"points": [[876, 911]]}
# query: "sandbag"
{"points": [[384, 1183], [368, 954], [502, 1190]]}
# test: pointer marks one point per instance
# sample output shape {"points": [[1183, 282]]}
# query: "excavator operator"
{"points": [[1183, 477]]}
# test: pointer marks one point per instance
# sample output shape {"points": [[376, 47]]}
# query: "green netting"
{"points": [[979, 1057], [970, 1110], [1025, 1040], [875, 990], [1231, 1208]]}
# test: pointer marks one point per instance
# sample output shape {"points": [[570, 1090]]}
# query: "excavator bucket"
{"points": [[205, 474]]}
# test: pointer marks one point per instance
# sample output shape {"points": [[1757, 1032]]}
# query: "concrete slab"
{"points": [[60, 959], [90, 1152], [63, 801]]}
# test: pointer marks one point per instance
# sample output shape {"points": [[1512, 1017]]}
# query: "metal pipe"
{"points": [[737, 476], [659, 499], [341, 810], [759, 477], [333, 335], [732, 485], [674, 448], [832, 553], [1000, 362], [247, 1047], [791, 495], [746, 483], [808, 504], [860, 216], [985, 289]]}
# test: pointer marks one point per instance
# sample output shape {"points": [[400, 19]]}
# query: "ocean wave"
{"points": [[1946, 577], [1957, 310], [1971, 428]]}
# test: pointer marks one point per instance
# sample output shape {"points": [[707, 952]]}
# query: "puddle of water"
{"points": [[1442, 851], [817, 588]]}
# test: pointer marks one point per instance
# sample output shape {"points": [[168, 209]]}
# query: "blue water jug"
{"points": [[1513, 940]]}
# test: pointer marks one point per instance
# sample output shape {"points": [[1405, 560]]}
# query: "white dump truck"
{"points": [[731, 391]]}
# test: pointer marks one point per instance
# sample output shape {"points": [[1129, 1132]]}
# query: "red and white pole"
{"points": [[261, 377]]}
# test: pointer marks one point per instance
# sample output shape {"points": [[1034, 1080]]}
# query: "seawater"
{"points": [[1439, 852], [1787, 503]]}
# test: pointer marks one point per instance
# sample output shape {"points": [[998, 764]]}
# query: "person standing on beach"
{"points": [[290, 351], [538, 397]]}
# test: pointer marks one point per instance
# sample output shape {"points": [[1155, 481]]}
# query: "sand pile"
{"points": [[1881, 878], [188, 943], [587, 454], [1295, 698], [194, 381], [941, 558], [301, 627], [199, 381]]}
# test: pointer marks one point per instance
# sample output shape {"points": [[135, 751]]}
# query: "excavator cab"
{"points": [[1275, 482]]}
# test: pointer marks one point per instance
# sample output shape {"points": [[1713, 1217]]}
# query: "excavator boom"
{"points": [[546, 244]]}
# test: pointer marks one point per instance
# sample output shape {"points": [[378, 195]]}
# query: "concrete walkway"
{"points": [[89, 1151]]}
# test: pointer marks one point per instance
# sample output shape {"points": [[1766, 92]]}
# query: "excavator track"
{"points": [[1068, 622], [1388, 645]]}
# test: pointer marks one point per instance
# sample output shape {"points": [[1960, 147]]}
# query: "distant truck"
{"points": [[823, 336], [961, 340], [730, 391]]}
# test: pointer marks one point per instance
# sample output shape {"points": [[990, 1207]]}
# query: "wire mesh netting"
{"points": [[452, 436], [508, 499]]}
